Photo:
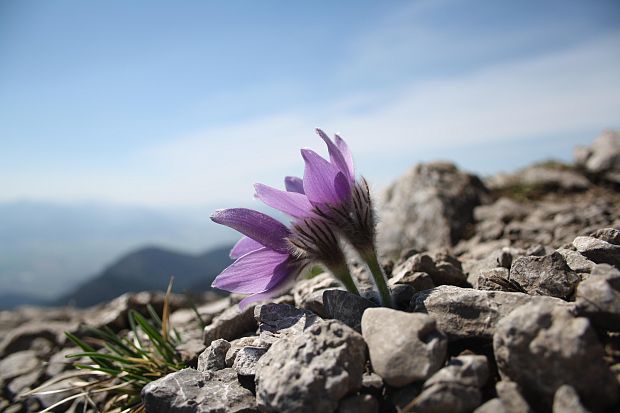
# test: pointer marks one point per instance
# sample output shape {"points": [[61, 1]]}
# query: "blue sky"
{"points": [[188, 103]]}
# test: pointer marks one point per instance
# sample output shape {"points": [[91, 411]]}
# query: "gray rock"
{"points": [[495, 279], [469, 313], [602, 158], [18, 364], [237, 345], [401, 296], [23, 383], [576, 261], [308, 294], [611, 235], [189, 390], [566, 400], [597, 250], [311, 371], [58, 362], [429, 207], [424, 271], [541, 347], [511, 398], [231, 324], [492, 406], [27, 335], [372, 381], [283, 318], [547, 275], [454, 388], [214, 356], [363, 403], [543, 178], [247, 359], [346, 307], [403, 347], [598, 297]]}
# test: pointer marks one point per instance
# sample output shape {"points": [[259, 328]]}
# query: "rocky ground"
{"points": [[508, 300]]}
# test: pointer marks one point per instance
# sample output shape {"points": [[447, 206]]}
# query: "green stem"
{"points": [[343, 274], [377, 275]]}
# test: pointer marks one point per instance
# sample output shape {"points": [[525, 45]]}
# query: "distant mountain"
{"points": [[9, 301], [150, 269]]}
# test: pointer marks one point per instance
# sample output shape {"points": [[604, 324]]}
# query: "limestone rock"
{"points": [[541, 347], [231, 324], [214, 356], [469, 313], [189, 391], [454, 388], [602, 158], [311, 371], [363, 403], [598, 297], [247, 359], [429, 207], [547, 275], [308, 294], [403, 347], [346, 307], [597, 250], [566, 400]]}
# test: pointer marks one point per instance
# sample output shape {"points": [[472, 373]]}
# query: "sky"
{"points": [[165, 103]]}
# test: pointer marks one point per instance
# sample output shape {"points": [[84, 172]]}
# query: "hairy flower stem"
{"points": [[370, 257], [342, 273]]}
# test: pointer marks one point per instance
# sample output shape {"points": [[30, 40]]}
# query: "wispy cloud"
{"points": [[567, 91]]}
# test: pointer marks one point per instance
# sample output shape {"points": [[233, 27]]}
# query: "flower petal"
{"points": [[256, 225], [319, 179], [291, 203], [254, 272], [294, 184], [278, 290], [243, 246], [335, 155], [347, 155]]}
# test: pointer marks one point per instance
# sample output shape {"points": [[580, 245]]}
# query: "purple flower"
{"points": [[263, 263]]}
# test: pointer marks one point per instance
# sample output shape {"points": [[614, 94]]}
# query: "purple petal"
{"points": [[243, 246], [258, 226], [253, 273], [278, 290], [335, 155], [319, 179], [294, 184], [342, 186], [347, 155], [291, 203]]}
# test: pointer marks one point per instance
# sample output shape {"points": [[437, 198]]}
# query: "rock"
{"points": [[541, 347], [602, 158], [448, 270], [59, 362], [598, 297], [511, 398], [311, 371], [236, 346], [401, 296], [247, 359], [363, 403], [231, 324], [372, 381], [497, 279], [611, 235], [27, 336], [18, 364], [423, 271], [504, 210], [308, 294], [187, 316], [492, 406], [566, 400], [346, 307], [476, 267], [468, 313], [429, 207], [576, 261], [539, 179], [403, 347], [190, 390], [23, 383], [547, 275], [597, 250], [214, 357], [283, 318], [454, 388]]}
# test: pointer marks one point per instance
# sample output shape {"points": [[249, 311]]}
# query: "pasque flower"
{"points": [[329, 192], [264, 263]]}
